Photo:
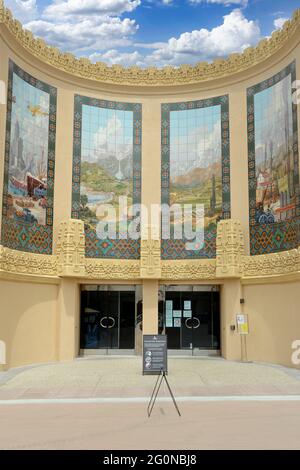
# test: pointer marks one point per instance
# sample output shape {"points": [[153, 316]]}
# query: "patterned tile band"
{"points": [[176, 248], [274, 207], [95, 247], [22, 227]]}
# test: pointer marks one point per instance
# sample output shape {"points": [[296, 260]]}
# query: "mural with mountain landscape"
{"points": [[196, 156], [107, 140], [106, 160], [274, 184]]}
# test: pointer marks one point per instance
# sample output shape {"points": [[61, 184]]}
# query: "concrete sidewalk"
{"points": [[201, 426], [119, 376]]}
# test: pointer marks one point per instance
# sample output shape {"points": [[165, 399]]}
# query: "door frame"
{"points": [[108, 287], [183, 287]]}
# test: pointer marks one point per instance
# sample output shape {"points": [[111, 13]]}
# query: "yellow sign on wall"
{"points": [[242, 324]]}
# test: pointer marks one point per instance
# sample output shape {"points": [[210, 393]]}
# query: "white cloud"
{"points": [[242, 3], [279, 22], [95, 28], [98, 33], [76, 9], [113, 56], [23, 10], [234, 35]]}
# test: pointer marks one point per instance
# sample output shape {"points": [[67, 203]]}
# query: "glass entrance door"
{"points": [[191, 318], [107, 319]]}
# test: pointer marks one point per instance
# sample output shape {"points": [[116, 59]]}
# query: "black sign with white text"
{"points": [[155, 354]]}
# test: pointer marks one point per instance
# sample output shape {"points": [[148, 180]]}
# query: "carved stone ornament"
{"points": [[150, 76], [13, 262], [150, 259], [275, 264], [71, 249], [230, 249], [108, 269], [185, 270]]}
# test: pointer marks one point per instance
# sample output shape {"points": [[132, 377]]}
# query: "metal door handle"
{"points": [[113, 322], [190, 323]]}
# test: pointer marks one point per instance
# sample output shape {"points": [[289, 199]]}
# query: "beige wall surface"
{"points": [[274, 322], [28, 322]]}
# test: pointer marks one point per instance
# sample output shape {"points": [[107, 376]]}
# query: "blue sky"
{"points": [[152, 32]]}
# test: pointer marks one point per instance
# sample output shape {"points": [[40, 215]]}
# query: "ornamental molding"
{"points": [[150, 76], [188, 270], [276, 264], [106, 269], [13, 262]]}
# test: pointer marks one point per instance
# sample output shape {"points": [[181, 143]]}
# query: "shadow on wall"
{"points": [[28, 323]]}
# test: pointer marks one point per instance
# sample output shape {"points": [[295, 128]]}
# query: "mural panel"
{"points": [[29, 163], [106, 167], [196, 168], [273, 165]]}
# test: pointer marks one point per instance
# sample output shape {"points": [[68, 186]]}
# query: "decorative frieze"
{"points": [[276, 264], [29, 264], [188, 270], [70, 261], [106, 269]]}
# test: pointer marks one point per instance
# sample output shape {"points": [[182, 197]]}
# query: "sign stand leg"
{"points": [[173, 398], [161, 377], [155, 393]]}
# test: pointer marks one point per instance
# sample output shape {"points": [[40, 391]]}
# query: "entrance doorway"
{"points": [[190, 316], [107, 320]]}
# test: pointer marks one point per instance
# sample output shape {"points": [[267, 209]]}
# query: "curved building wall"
{"points": [[235, 109]]}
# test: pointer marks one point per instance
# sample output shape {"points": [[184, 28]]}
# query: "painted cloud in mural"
{"points": [[275, 189], [196, 159], [106, 159], [28, 158]]}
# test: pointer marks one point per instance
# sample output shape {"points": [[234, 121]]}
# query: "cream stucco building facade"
{"points": [[40, 306]]}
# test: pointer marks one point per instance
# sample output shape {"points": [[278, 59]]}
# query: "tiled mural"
{"points": [[106, 166], [196, 168], [273, 164], [29, 163]]}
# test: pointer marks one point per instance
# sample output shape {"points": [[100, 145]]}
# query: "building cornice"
{"points": [[150, 76]]}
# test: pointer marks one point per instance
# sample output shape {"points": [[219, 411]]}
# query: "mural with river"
{"points": [[109, 151]]}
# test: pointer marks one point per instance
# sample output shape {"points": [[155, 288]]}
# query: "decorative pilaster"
{"points": [[150, 259], [230, 249], [2, 11], [71, 249]]}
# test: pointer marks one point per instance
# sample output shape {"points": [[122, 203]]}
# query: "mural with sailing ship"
{"points": [[28, 154]]}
